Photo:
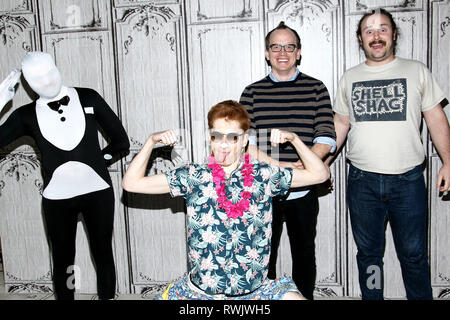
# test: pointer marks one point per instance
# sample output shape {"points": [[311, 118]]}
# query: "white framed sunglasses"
{"points": [[231, 137]]}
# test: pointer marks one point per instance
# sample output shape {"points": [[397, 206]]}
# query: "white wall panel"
{"points": [[18, 34], [128, 3], [223, 59], [74, 15], [439, 235], [90, 50], [150, 62], [440, 203], [356, 6], [17, 6], [25, 249], [150, 50], [206, 11]]}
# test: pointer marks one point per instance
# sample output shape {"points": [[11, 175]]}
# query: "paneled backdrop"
{"points": [[162, 64]]}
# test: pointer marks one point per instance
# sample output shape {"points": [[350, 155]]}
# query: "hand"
{"points": [[329, 184], [7, 87], [167, 137], [443, 179], [278, 136]]}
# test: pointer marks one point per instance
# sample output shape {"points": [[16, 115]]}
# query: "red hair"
{"points": [[229, 110]]}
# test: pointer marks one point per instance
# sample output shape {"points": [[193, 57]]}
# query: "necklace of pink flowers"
{"points": [[233, 210]]}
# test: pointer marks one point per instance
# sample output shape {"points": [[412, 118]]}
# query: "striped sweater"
{"points": [[302, 106]]}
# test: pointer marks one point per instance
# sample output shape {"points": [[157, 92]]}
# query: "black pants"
{"points": [[61, 218], [301, 221]]}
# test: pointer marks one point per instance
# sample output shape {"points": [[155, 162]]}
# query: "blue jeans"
{"points": [[374, 199]]}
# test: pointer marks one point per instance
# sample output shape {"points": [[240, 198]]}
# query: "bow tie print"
{"points": [[54, 105]]}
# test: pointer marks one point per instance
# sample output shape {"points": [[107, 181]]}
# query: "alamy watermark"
{"points": [[375, 278], [74, 279], [73, 13]]}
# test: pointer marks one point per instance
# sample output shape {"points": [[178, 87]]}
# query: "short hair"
{"points": [[385, 13], [283, 26], [229, 110]]}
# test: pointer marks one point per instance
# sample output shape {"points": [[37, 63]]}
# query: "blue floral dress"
{"points": [[226, 256]]}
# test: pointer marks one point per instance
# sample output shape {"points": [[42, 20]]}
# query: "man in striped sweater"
{"points": [[290, 100]]}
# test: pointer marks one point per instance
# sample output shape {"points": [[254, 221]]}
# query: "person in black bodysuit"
{"points": [[63, 123]]}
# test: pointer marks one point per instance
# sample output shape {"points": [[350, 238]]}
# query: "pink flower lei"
{"points": [[233, 210]]}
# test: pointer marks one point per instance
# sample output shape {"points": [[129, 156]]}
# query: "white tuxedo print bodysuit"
{"points": [[72, 161], [65, 129], [74, 169]]}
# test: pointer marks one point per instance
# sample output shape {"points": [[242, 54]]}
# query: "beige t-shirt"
{"points": [[384, 104]]}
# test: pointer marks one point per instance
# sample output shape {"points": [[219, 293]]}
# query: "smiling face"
{"points": [[377, 39], [40, 71], [283, 63], [227, 153]]}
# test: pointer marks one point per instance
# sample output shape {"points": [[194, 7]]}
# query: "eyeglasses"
{"points": [[231, 137], [278, 47]]}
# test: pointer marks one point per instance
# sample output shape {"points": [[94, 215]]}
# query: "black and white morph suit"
{"points": [[64, 124]]}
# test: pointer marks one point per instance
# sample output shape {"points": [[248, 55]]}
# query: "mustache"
{"points": [[377, 42]]}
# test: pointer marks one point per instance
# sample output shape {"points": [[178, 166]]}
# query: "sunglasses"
{"points": [[230, 137]]}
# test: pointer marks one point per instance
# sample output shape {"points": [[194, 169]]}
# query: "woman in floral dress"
{"points": [[229, 208]]}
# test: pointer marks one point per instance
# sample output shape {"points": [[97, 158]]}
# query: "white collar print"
{"points": [[63, 128]]}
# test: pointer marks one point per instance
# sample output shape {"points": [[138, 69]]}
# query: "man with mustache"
{"points": [[379, 104]]}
